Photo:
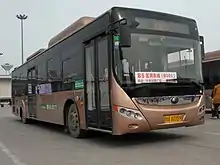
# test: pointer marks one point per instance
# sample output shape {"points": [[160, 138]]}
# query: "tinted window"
{"points": [[21, 76], [72, 70], [54, 73], [54, 68], [42, 71], [67, 68], [73, 67], [18, 83]]}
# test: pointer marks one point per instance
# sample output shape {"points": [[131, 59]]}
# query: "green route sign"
{"points": [[116, 38], [79, 84]]}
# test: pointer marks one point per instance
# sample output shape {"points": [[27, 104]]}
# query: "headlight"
{"points": [[130, 113]]}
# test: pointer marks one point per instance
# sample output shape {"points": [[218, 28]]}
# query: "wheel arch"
{"points": [[67, 104]]}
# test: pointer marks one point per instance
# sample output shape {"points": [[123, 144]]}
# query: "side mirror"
{"points": [[201, 39], [125, 36]]}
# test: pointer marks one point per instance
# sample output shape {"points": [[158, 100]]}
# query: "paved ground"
{"points": [[40, 144]]}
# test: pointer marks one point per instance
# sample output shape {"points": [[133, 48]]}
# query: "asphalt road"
{"points": [[44, 144]]}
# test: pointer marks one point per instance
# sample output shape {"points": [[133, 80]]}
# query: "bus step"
{"points": [[32, 117], [98, 129]]}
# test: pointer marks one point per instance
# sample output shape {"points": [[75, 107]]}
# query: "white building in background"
{"points": [[5, 89]]}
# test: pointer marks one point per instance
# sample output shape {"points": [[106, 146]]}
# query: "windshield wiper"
{"points": [[136, 86], [187, 80]]}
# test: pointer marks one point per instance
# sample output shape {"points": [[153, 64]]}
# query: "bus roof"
{"points": [[155, 12], [82, 23], [35, 54]]}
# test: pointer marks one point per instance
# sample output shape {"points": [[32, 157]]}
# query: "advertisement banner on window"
{"points": [[44, 89], [154, 77]]}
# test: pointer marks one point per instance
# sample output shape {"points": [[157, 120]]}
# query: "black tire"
{"points": [[73, 123]]}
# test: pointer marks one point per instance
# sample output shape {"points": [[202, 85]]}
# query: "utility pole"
{"points": [[22, 17]]}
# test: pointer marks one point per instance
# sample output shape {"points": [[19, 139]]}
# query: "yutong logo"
{"points": [[174, 100]]}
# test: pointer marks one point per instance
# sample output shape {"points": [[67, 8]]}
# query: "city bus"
{"points": [[114, 74], [211, 76]]}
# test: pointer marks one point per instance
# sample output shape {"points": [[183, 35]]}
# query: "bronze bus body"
{"points": [[98, 100], [153, 116]]}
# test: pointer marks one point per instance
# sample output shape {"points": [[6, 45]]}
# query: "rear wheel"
{"points": [[73, 123]]}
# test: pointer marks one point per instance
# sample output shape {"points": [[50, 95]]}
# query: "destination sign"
{"points": [[162, 25]]}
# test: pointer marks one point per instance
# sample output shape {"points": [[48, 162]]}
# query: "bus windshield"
{"points": [[159, 55]]}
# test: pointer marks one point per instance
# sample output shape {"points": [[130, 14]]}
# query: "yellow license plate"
{"points": [[173, 119]]}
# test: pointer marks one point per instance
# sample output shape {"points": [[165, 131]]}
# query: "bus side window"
{"points": [[54, 72]]}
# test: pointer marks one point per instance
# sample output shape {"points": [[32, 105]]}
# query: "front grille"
{"points": [[168, 100]]}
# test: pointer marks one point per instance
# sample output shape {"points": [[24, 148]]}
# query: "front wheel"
{"points": [[73, 122]]}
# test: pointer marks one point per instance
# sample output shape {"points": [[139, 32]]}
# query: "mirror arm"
{"points": [[109, 27]]}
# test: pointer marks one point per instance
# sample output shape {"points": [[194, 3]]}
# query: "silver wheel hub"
{"points": [[73, 121]]}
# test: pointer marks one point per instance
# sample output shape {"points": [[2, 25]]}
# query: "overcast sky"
{"points": [[46, 18]]}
